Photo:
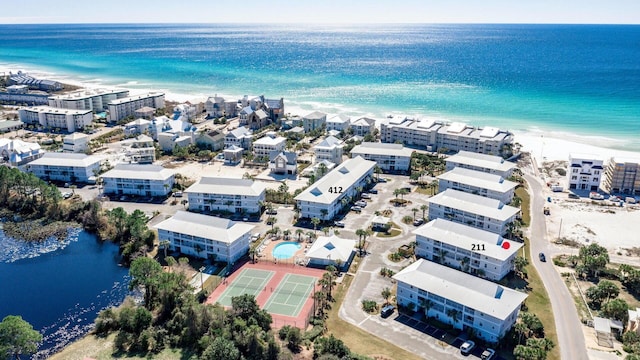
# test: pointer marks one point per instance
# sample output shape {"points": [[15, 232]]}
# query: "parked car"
{"points": [[272, 212], [67, 195], [573, 196], [488, 354], [356, 208], [595, 196], [467, 346], [542, 257], [338, 224], [177, 194], [373, 191], [360, 203], [382, 180], [418, 222], [546, 211], [366, 196], [386, 311]]}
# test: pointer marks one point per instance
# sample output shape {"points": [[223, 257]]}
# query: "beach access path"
{"points": [[572, 346]]}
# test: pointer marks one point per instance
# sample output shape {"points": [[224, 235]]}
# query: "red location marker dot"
{"points": [[506, 245]]}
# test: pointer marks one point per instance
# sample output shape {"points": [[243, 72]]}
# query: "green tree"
{"points": [[386, 294], [331, 346], [424, 208], [221, 348], [520, 263], [315, 221], [616, 309], [17, 337], [603, 292], [144, 273]]}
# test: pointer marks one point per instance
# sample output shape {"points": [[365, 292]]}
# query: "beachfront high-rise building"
{"points": [[95, 100], [435, 135], [585, 172], [127, 106], [55, 118], [622, 176]]}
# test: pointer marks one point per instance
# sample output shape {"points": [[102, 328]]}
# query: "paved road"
{"points": [[568, 326]]}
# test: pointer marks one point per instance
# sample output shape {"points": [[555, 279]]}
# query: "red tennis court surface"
{"points": [[268, 289]]}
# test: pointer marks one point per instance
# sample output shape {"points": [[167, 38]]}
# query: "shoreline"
{"points": [[550, 145]]}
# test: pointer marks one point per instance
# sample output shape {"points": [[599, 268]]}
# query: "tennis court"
{"points": [[249, 281], [291, 295]]}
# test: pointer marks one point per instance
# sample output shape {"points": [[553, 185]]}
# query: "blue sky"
{"points": [[323, 11]]}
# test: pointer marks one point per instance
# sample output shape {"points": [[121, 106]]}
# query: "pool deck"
{"points": [[269, 245]]}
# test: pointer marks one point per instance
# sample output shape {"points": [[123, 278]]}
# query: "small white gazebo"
{"points": [[331, 251]]}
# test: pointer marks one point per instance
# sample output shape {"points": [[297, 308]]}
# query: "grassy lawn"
{"points": [[425, 190], [392, 232], [357, 339], [522, 193], [102, 349]]}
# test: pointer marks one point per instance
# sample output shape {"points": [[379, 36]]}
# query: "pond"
{"points": [[60, 286]]}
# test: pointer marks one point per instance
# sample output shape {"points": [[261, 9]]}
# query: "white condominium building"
{"points": [[338, 123], [466, 248], [75, 143], [206, 236], [459, 299], [389, 157], [121, 108], [622, 176], [473, 210], [226, 194], [52, 118], [481, 162], [95, 100], [437, 135], [66, 167], [585, 172], [324, 198], [264, 146], [478, 183], [139, 180], [329, 149]]}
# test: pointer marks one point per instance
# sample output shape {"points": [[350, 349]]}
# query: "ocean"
{"points": [[579, 80]]}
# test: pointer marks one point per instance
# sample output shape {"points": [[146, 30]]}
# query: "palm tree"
{"points": [[386, 294], [325, 230], [165, 244], [377, 170], [424, 209], [454, 314], [272, 220], [286, 234], [324, 213], [315, 221], [252, 253], [322, 169], [171, 262], [299, 232], [414, 211]]}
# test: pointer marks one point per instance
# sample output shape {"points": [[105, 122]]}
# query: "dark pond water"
{"points": [[60, 286]]}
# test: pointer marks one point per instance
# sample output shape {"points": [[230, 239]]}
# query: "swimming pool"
{"points": [[286, 250]]}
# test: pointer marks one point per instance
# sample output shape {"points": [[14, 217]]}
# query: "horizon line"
{"points": [[317, 23]]}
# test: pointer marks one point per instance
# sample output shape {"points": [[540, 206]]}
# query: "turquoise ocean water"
{"points": [[577, 79]]}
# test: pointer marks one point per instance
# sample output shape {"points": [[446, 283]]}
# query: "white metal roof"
{"points": [[482, 295], [464, 237], [344, 175], [328, 142], [478, 179], [208, 227], [340, 119], [474, 204], [55, 110], [315, 115], [66, 159], [138, 172], [135, 97], [481, 160], [333, 248], [227, 186], [382, 149], [268, 140]]}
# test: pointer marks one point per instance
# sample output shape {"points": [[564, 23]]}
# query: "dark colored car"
{"points": [[387, 311], [542, 257]]}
